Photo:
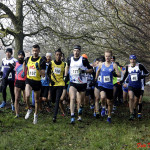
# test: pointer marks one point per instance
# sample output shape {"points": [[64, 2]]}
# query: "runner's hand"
{"points": [[23, 74], [37, 66]]}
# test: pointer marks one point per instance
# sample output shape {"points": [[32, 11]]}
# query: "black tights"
{"points": [[56, 92], [11, 88]]}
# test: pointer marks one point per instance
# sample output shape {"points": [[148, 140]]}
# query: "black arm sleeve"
{"points": [[68, 61], [126, 74], [86, 63], [49, 70], [142, 68], [26, 60], [94, 73], [42, 64]]}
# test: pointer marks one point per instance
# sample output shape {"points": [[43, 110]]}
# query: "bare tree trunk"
{"points": [[18, 44]]}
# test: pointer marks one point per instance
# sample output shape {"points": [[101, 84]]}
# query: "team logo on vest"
{"points": [[110, 70]]}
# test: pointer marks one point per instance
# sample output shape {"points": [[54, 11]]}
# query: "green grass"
{"points": [[91, 134]]}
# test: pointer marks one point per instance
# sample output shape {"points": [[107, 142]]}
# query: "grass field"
{"points": [[91, 134]]}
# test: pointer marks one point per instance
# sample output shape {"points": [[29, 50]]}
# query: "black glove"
{"points": [[1, 73], [52, 82], [142, 76], [81, 71], [121, 82]]}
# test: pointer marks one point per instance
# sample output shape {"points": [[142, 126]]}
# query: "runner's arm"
{"points": [[117, 70], [98, 71]]}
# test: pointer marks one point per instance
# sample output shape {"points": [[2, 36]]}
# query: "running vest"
{"points": [[57, 73], [19, 71], [107, 76], [5, 68], [75, 76], [32, 72], [134, 74], [45, 80]]}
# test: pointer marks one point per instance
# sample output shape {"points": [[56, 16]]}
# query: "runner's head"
{"points": [[9, 52], [108, 55], [58, 54], [77, 51], [63, 57], [132, 59], [35, 50], [21, 56], [84, 56], [48, 57], [113, 59]]}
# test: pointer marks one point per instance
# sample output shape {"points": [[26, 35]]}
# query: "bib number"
{"points": [[74, 72], [134, 77], [32, 72], [106, 79], [10, 76], [57, 70]]}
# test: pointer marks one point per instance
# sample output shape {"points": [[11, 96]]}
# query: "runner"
{"points": [[106, 71], [97, 88], [45, 85], [36, 68], [19, 81], [56, 74], [8, 65], [134, 73], [78, 83]]}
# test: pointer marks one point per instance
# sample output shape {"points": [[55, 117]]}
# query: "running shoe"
{"points": [[94, 114], [3, 104], [28, 113], [17, 116], [79, 118], [80, 111], [72, 120], [114, 108], [103, 112], [131, 117], [139, 116], [91, 107], [109, 120], [54, 119], [97, 116], [35, 119], [12, 107]]}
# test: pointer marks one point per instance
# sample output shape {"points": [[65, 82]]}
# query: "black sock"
{"points": [[139, 107]]}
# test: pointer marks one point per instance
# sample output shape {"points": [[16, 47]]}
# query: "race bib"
{"points": [[57, 70], [106, 79], [32, 72], [134, 77], [74, 72], [10, 76], [99, 78]]}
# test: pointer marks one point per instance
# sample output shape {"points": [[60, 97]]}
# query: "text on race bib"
{"points": [[57, 70], [106, 79], [99, 78], [32, 72], [134, 77], [74, 72], [10, 76]]}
